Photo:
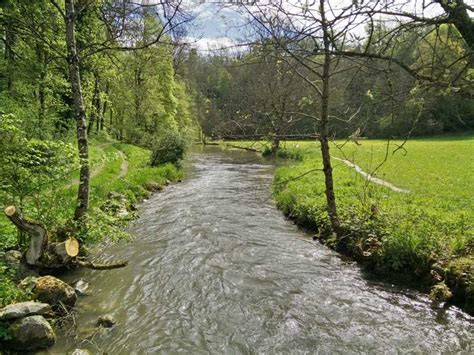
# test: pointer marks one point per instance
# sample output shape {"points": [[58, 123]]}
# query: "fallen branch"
{"points": [[91, 265], [244, 148]]}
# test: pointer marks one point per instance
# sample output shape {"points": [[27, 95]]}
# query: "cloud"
{"points": [[207, 45]]}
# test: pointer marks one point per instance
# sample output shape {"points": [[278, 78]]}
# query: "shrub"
{"points": [[283, 154], [8, 291], [170, 148]]}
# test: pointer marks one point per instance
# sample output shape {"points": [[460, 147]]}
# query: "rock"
{"points": [[117, 205], [168, 182], [81, 286], [31, 334], [57, 293], [81, 352], [122, 212], [28, 283], [13, 257], [153, 186], [23, 309], [106, 321], [116, 196]]}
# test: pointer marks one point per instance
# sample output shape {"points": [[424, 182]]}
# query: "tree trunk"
{"points": [[94, 117], [275, 144], [81, 126], [459, 16], [104, 106], [9, 54], [324, 129], [42, 60]]}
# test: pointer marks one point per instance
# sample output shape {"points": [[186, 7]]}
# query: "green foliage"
{"points": [[4, 333], [283, 153], [169, 148], [31, 175], [8, 290], [99, 225]]}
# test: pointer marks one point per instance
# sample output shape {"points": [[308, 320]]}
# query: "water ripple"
{"points": [[216, 268]]}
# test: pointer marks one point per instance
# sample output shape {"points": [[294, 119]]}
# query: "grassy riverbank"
{"points": [[426, 234], [116, 167]]}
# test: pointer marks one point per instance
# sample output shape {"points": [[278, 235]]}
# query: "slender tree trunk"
{"points": [[9, 54], [81, 126], [324, 129], [104, 106], [94, 117], [41, 57], [138, 99], [275, 144]]}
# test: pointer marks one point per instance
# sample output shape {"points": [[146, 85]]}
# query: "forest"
{"points": [[363, 112]]}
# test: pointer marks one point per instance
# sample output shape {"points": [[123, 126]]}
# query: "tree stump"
{"points": [[39, 235], [54, 255]]}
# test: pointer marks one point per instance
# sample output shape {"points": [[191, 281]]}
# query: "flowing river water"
{"points": [[216, 268]]}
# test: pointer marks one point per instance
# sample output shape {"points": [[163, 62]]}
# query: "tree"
{"points": [[70, 17], [323, 39]]}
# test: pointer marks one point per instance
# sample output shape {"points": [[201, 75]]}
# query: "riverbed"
{"points": [[216, 268]]}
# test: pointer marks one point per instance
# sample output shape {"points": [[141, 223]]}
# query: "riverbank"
{"points": [[425, 235], [121, 169]]}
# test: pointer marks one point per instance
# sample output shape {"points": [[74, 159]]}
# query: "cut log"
{"points": [[67, 249], [61, 254], [39, 235], [250, 149], [54, 256]]}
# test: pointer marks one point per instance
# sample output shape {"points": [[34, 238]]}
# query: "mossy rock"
{"points": [[460, 279], [153, 186], [55, 292], [30, 334]]}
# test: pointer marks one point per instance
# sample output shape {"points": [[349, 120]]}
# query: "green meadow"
{"points": [[422, 233]]}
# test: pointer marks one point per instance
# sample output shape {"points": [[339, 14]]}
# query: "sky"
{"points": [[216, 26]]}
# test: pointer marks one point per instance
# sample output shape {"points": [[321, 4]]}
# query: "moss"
{"points": [[460, 278], [440, 293]]}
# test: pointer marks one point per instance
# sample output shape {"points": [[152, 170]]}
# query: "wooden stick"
{"points": [[244, 148], [95, 266]]}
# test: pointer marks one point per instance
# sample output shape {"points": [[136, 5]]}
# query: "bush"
{"points": [[169, 148], [283, 154]]}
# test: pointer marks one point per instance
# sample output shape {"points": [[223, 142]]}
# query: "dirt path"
{"points": [[372, 178], [124, 166], [94, 172]]}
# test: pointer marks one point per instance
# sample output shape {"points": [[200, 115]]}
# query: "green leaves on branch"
{"points": [[170, 148]]}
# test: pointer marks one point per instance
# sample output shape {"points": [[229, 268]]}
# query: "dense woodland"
{"points": [[88, 84], [100, 70], [261, 93], [77, 79]]}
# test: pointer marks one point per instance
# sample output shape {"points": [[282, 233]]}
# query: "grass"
{"points": [[432, 227], [58, 202]]}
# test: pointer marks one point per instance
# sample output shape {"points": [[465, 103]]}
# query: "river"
{"points": [[216, 268]]}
